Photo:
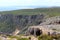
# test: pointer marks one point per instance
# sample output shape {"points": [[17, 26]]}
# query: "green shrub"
{"points": [[45, 37], [57, 37]]}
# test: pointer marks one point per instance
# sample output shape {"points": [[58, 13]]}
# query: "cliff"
{"points": [[9, 22]]}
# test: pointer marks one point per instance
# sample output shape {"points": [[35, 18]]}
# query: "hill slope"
{"points": [[10, 20], [53, 11]]}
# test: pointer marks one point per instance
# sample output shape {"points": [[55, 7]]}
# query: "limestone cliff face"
{"points": [[51, 21], [9, 22], [48, 26]]}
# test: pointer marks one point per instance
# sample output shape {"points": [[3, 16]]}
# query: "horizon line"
{"points": [[29, 8]]}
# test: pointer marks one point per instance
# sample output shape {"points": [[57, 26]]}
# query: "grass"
{"points": [[41, 37], [17, 37], [23, 39], [47, 37]]}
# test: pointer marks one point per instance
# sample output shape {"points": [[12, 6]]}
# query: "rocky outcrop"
{"points": [[48, 26], [52, 20]]}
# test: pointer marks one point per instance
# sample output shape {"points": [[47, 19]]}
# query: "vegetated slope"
{"points": [[9, 22], [53, 11]]}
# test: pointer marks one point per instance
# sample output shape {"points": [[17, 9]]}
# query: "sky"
{"points": [[27, 4]]}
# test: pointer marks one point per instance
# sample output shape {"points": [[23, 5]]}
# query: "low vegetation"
{"points": [[49, 37], [41, 37], [53, 11]]}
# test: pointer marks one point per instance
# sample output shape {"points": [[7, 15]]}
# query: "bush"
{"points": [[45, 37], [57, 37]]}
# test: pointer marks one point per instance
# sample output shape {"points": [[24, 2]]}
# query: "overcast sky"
{"points": [[21, 4]]}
